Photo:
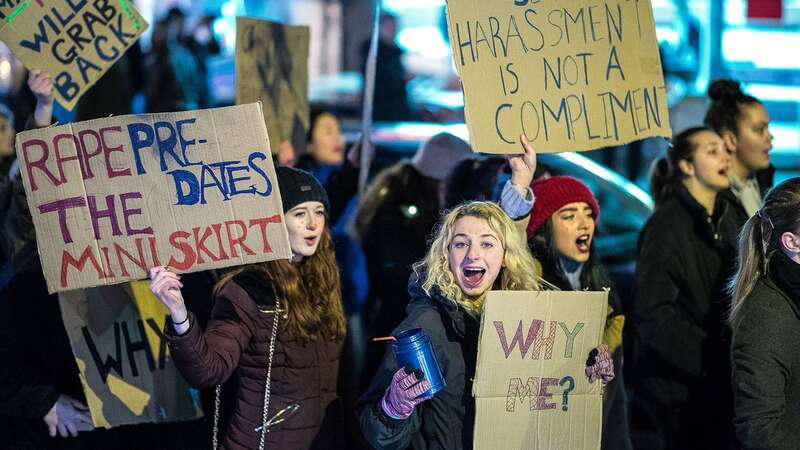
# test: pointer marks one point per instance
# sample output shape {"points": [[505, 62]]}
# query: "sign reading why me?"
{"points": [[111, 198], [530, 388], [572, 75]]}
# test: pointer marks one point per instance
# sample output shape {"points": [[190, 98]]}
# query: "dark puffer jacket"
{"points": [[237, 340], [447, 420]]}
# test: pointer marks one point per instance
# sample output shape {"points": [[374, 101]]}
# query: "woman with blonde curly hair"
{"points": [[476, 247]]}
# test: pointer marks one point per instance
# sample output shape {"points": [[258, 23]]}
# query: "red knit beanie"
{"points": [[553, 194]]}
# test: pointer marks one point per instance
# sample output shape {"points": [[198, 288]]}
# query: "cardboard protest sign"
{"points": [[530, 388], [76, 41], [116, 334], [272, 67], [572, 75], [111, 198]]}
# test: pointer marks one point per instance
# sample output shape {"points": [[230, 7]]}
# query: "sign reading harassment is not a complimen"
{"points": [[572, 75], [75, 41], [111, 198]]}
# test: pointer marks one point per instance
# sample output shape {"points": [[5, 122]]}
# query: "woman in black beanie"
{"points": [[280, 321]]}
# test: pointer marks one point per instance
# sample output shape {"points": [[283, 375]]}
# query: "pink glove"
{"points": [[600, 365], [403, 394]]}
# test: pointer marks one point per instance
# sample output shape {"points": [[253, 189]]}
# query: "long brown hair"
{"points": [[309, 290], [760, 239]]}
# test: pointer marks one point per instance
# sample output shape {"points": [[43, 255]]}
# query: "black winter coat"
{"points": [[684, 259], [394, 235], [766, 363], [237, 340], [446, 421]]}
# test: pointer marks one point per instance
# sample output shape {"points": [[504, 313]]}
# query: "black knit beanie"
{"points": [[298, 186]]}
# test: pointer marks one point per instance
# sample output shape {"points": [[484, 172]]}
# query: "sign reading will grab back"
{"points": [[111, 198], [75, 41], [572, 75]]}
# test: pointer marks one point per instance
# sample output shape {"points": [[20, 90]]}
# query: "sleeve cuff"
{"points": [[172, 336], [514, 204]]}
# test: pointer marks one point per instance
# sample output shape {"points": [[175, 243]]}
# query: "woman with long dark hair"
{"points": [[686, 252], [561, 237], [765, 318], [280, 321]]}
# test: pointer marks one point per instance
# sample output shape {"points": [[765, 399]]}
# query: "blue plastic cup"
{"points": [[412, 350]]}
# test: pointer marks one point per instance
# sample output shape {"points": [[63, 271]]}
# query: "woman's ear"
{"points": [[730, 140], [686, 167], [791, 242]]}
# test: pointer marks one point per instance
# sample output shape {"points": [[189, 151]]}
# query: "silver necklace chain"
{"points": [[218, 390]]}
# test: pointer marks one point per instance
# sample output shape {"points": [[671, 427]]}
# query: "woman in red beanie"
{"points": [[561, 237]]}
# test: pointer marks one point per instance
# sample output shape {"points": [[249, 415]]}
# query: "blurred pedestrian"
{"points": [[391, 78], [686, 252], [394, 221], [174, 79], [743, 123]]}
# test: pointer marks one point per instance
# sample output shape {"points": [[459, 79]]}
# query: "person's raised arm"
{"points": [[41, 84], [204, 357], [167, 286], [517, 198]]}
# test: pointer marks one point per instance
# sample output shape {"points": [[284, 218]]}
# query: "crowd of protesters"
{"points": [[712, 329]]}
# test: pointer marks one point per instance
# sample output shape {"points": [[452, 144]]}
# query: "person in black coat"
{"points": [[17, 240], [686, 251], [765, 318], [391, 97], [394, 221]]}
